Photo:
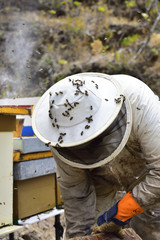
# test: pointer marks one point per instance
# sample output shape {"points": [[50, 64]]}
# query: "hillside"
{"points": [[43, 41]]}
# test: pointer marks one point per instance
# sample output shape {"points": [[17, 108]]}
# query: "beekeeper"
{"points": [[104, 133]]}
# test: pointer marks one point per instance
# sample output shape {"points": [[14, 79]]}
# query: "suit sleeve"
{"points": [[146, 128]]}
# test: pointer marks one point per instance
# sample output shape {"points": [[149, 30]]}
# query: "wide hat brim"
{"points": [[111, 97]]}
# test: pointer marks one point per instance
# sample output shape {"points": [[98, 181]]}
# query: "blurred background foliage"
{"points": [[42, 41]]}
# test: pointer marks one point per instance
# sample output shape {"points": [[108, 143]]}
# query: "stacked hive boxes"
{"points": [[34, 171], [35, 187]]}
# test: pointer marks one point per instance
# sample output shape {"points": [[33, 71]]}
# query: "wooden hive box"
{"points": [[33, 196]]}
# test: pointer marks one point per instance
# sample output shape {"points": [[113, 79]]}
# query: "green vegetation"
{"points": [[130, 3], [101, 8], [155, 51], [62, 62], [130, 39], [77, 3], [52, 12]]}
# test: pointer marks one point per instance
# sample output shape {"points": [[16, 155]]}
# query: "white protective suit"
{"points": [[88, 193]]}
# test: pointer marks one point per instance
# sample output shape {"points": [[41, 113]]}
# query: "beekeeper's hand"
{"points": [[117, 216], [110, 227]]}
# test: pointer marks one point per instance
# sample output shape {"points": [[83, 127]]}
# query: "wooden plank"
{"points": [[19, 126], [29, 145], [34, 168], [14, 110], [21, 102], [41, 216], [10, 229], [17, 156], [130, 235]]}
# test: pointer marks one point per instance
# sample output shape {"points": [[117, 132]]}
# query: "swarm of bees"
{"points": [[69, 106]]}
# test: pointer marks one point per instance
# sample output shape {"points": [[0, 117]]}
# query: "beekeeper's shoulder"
{"points": [[136, 90]]}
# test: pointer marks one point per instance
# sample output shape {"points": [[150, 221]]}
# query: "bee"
{"points": [[50, 93], [138, 108], [86, 93], [71, 118], [61, 92], [60, 138], [91, 107], [50, 115], [81, 133], [47, 144], [67, 112], [106, 99], [70, 105], [52, 101], [89, 119], [57, 126], [76, 103], [56, 93], [87, 127], [55, 120], [117, 100], [62, 134], [96, 85], [53, 124]]}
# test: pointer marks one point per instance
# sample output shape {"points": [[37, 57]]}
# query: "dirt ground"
{"points": [[42, 230]]}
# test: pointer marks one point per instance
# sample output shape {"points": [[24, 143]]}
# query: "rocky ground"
{"points": [[43, 230]]}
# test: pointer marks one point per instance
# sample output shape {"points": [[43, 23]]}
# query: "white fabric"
{"points": [[82, 188], [146, 135], [98, 94]]}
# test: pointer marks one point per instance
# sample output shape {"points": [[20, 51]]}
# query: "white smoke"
{"points": [[19, 47]]}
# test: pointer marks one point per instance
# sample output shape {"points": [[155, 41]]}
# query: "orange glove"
{"points": [[121, 212], [127, 208]]}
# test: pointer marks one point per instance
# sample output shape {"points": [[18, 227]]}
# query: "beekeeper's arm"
{"points": [[79, 198], [146, 129], [147, 192]]}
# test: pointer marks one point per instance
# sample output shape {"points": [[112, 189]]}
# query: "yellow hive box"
{"points": [[35, 195]]}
